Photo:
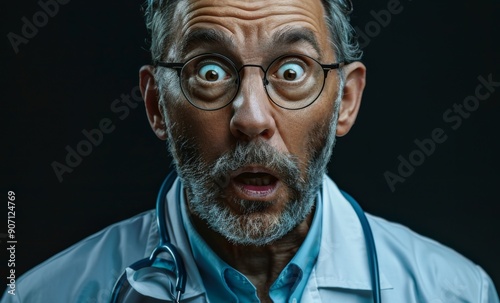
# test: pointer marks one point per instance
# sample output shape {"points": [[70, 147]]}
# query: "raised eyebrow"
{"points": [[205, 37], [292, 35]]}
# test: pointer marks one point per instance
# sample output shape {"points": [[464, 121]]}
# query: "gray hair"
{"points": [[159, 14]]}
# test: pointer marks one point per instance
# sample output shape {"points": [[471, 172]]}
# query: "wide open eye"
{"points": [[290, 71], [212, 72], [294, 81], [209, 81]]}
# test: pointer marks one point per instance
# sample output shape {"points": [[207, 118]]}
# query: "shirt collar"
{"points": [[221, 280], [306, 256]]}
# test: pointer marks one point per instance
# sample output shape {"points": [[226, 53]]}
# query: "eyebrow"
{"points": [[283, 37], [295, 35], [205, 36]]}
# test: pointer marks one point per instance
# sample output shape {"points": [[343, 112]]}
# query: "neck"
{"points": [[260, 264]]}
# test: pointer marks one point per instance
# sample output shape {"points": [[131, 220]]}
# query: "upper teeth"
{"points": [[260, 181]]}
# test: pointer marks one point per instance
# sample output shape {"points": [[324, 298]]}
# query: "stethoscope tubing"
{"points": [[371, 250], [165, 245]]}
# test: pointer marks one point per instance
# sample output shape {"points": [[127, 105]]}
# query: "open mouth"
{"points": [[256, 179], [252, 185]]}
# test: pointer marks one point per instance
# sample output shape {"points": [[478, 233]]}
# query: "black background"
{"points": [[426, 59]]}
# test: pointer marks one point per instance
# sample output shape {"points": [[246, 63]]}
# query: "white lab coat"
{"points": [[412, 268]]}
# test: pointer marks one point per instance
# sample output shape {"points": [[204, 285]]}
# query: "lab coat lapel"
{"points": [[342, 260]]}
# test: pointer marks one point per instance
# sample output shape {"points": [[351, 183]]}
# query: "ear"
{"points": [[150, 94], [355, 79]]}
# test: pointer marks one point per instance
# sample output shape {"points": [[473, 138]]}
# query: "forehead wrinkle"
{"points": [[237, 23], [251, 9]]}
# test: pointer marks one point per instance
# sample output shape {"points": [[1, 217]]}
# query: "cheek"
{"points": [[209, 131], [305, 131], [203, 128], [318, 138]]}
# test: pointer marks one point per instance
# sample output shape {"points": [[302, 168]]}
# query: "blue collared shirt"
{"points": [[225, 284]]}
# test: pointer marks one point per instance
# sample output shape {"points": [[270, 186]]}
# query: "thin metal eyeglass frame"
{"points": [[179, 66]]}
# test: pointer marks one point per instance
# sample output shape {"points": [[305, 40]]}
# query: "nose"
{"points": [[252, 112]]}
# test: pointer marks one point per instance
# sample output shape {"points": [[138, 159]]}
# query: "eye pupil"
{"points": [[212, 75], [290, 74]]}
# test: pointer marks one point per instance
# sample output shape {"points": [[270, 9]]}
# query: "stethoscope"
{"points": [[164, 246]]}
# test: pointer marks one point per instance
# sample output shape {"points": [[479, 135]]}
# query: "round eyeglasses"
{"points": [[212, 81]]}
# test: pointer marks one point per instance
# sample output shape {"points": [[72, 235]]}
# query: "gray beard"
{"points": [[205, 184]]}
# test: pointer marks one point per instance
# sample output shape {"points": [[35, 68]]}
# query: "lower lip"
{"points": [[255, 191]]}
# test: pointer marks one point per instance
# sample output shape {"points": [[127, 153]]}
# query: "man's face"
{"points": [[251, 169]]}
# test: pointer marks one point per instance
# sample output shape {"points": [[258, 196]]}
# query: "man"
{"points": [[249, 96]]}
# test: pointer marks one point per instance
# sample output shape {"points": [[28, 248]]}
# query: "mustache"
{"points": [[258, 153]]}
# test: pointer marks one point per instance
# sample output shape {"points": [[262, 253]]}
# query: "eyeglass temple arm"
{"points": [[176, 66], [329, 67]]}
